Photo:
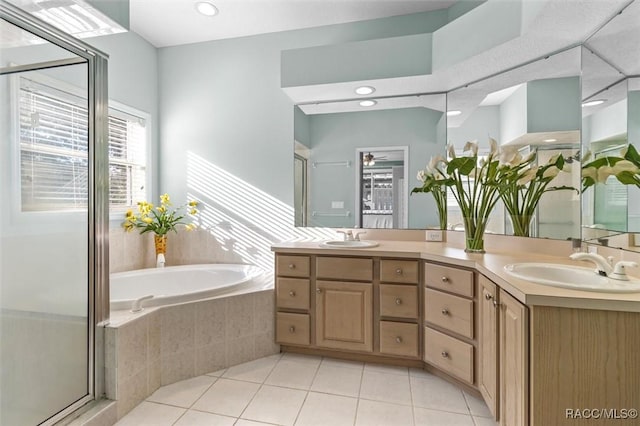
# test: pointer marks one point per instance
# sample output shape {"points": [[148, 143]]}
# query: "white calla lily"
{"points": [[451, 151], [625, 166], [603, 173], [421, 175], [493, 147], [551, 172], [471, 146], [527, 176], [590, 172]]}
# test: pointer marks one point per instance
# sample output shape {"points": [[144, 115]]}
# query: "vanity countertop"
{"points": [[490, 264]]}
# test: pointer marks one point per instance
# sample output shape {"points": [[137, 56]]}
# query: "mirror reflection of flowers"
{"points": [[522, 184], [625, 168], [160, 219], [434, 181]]}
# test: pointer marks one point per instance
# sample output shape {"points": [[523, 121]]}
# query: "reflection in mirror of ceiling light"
{"points": [[550, 140], [368, 103], [593, 102], [206, 8], [365, 90], [453, 113]]}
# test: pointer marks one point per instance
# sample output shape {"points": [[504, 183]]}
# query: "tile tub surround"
{"points": [[296, 389], [164, 345]]}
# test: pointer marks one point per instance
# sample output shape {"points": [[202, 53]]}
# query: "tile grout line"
{"points": [[260, 387], [308, 391], [413, 408]]}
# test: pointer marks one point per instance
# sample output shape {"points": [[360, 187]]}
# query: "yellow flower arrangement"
{"points": [[161, 219]]}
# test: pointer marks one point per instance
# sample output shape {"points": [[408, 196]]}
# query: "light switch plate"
{"points": [[434, 235], [337, 204]]}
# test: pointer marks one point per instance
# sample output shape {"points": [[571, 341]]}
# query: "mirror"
{"points": [[611, 120], [355, 165], [535, 107]]}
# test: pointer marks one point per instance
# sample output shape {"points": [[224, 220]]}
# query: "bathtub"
{"points": [[178, 284]]}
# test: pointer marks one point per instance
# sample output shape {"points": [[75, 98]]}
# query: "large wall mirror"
{"points": [[356, 161], [611, 121], [535, 107]]}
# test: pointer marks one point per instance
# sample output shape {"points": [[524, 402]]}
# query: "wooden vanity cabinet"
{"points": [[503, 343], [399, 308], [449, 312], [293, 319]]}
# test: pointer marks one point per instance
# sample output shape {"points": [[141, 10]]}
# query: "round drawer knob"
{"points": [[292, 293], [445, 279], [488, 296], [399, 339], [292, 329], [445, 354], [292, 266], [445, 311], [399, 271], [319, 290], [398, 301]]}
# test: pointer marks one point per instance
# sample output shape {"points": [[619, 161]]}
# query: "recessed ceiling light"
{"points": [[453, 113], [550, 140], [365, 90], [368, 103], [206, 8], [593, 102]]}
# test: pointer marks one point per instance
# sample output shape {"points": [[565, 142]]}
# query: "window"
{"points": [[53, 157]]}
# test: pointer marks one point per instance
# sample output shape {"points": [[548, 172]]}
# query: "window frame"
{"points": [[51, 217]]}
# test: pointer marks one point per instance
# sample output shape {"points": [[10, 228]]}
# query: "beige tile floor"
{"points": [[291, 389]]}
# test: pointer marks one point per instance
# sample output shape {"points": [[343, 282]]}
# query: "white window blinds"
{"points": [[54, 146]]}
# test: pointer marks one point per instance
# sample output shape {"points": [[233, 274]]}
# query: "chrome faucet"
{"points": [[356, 236], [603, 266], [348, 235]]}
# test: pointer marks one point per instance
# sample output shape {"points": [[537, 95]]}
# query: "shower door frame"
{"points": [[98, 201]]}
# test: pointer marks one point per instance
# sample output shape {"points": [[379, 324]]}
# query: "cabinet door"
{"points": [[514, 362], [488, 343], [344, 315]]}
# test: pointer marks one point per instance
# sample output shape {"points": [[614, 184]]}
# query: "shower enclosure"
{"points": [[53, 221]]}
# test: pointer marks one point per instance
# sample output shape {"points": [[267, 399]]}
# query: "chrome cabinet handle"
{"points": [[399, 271], [399, 339], [292, 293], [445, 354], [292, 266], [398, 301], [292, 329], [445, 311], [445, 279]]}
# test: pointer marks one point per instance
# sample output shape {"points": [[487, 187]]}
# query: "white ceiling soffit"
{"points": [[496, 98], [467, 99], [611, 96], [558, 25], [619, 41], [434, 102], [541, 139], [174, 22]]}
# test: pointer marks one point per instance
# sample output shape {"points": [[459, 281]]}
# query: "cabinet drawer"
{"points": [[292, 293], [398, 338], [292, 328], [455, 280], [344, 268], [451, 312], [292, 266], [399, 271], [399, 301], [450, 354]]}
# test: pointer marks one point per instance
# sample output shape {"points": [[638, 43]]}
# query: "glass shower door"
{"points": [[45, 320]]}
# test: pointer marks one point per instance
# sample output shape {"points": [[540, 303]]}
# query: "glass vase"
{"points": [[474, 234], [521, 225], [160, 242]]}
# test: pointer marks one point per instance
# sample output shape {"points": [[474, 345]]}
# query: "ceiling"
{"points": [[174, 22]]}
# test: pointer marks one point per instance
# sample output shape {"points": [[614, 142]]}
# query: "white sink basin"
{"points": [[574, 277], [349, 244]]}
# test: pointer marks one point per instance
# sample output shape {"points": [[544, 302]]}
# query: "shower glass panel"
{"points": [[44, 228]]}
